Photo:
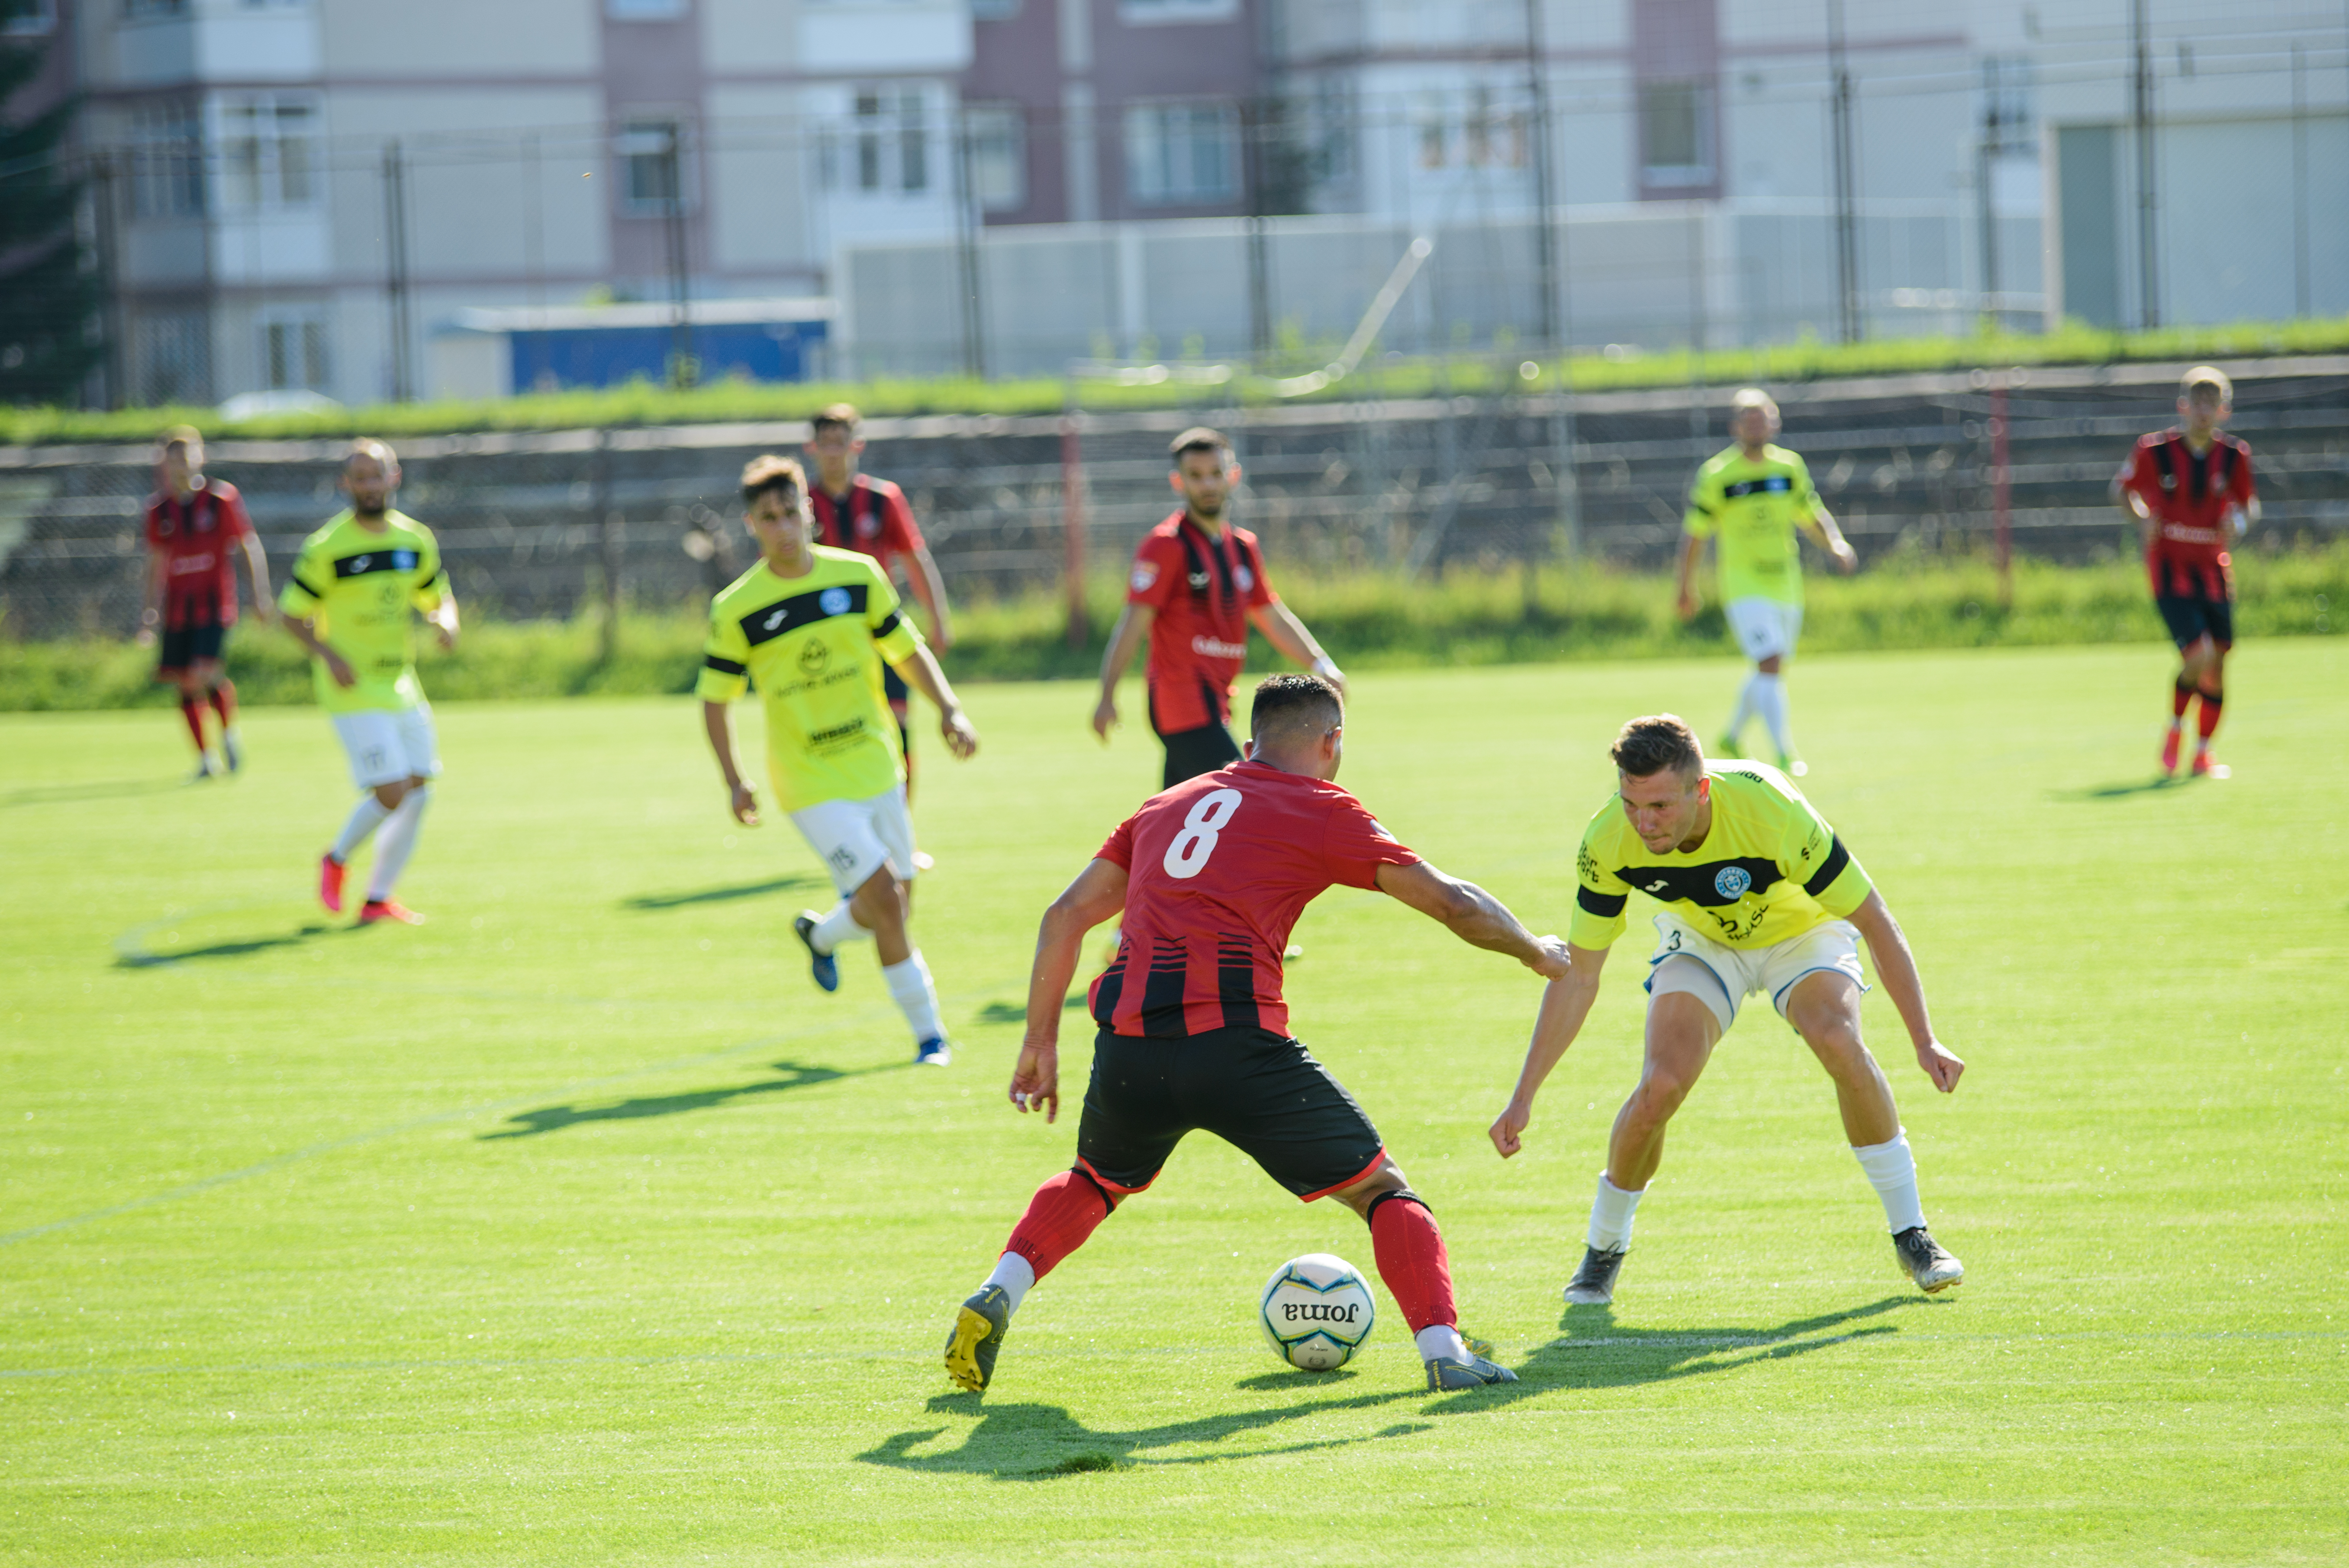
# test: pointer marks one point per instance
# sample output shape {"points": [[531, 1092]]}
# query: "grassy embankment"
{"points": [[1472, 371], [1580, 612]]}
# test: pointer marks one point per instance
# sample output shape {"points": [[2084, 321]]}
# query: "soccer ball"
{"points": [[1316, 1310]]}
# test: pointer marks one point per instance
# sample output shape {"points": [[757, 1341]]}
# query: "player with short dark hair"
{"points": [[1758, 894], [194, 528], [811, 627], [1750, 500], [348, 600], [1193, 1031], [854, 511], [1196, 585], [2189, 490]]}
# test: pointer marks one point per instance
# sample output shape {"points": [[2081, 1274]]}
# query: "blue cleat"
{"points": [[934, 1052], [822, 967]]}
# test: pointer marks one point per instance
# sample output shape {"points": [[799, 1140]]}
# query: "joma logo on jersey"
{"points": [[1656, 887], [1319, 1312], [776, 619]]}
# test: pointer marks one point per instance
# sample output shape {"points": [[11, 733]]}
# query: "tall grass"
{"points": [[1567, 611]]}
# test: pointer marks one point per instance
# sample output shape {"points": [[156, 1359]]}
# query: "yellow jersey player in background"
{"points": [[1759, 894], [1749, 499], [811, 627], [347, 601]]}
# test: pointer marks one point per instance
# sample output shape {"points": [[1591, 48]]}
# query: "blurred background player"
{"points": [[856, 511], [348, 600], [1749, 499], [195, 526], [811, 627], [2189, 490], [1194, 1034], [1759, 894], [1197, 586]]}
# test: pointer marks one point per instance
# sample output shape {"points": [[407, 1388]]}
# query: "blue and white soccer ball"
{"points": [[1316, 1310]]}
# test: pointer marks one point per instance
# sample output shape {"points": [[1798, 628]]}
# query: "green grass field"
{"points": [[577, 1227]]}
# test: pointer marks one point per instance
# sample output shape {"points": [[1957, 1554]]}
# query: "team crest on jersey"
{"points": [[1246, 579], [1145, 573], [1731, 882], [813, 657], [867, 526], [833, 601]]}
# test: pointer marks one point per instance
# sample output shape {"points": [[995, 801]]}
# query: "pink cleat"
{"points": [[330, 883], [2208, 767], [2170, 751], [379, 909]]}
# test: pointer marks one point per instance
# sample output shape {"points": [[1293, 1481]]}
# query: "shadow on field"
{"points": [[1598, 1353], [1017, 1012], [2160, 781], [134, 954], [72, 794], [659, 901], [1042, 1442], [555, 1118]]}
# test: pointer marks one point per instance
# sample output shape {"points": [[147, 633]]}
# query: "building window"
{"points": [[1153, 13], [142, 10], [655, 165], [269, 157], [998, 156], [28, 18], [166, 161], [889, 142], [293, 350], [1676, 133], [173, 358], [1182, 154], [644, 10], [994, 10]]}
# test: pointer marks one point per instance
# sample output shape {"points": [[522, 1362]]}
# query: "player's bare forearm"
{"points": [[1133, 626], [1896, 970], [443, 617], [1565, 1007], [1684, 579], [718, 725], [930, 588], [1472, 914], [1824, 529], [257, 566], [1098, 893], [922, 670]]}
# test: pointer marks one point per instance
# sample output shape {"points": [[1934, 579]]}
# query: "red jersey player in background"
{"points": [[2189, 489], [195, 527], [1194, 1034], [856, 511], [1197, 585]]}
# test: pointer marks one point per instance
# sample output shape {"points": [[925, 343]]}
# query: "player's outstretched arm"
{"points": [[1280, 627], [930, 588], [257, 566], [1564, 1004], [1896, 969], [717, 724], [1133, 626], [1684, 602], [1098, 893], [338, 669], [1473, 915], [954, 724], [1829, 533]]}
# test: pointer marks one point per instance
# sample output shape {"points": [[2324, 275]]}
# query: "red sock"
{"points": [[1060, 1217], [2179, 699], [2207, 723], [225, 702], [1410, 1251], [193, 712]]}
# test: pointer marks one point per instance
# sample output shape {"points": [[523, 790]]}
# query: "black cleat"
{"points": [[978, 1335], [1593, 1285], [1926, 1262], [1444, 1373]]}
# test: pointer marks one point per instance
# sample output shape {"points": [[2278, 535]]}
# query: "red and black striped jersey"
{"points": [[2188, 495], [1218, 869]]}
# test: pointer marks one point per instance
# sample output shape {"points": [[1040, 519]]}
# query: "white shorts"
{"points": [[1765, 629], [387, 747], [853, 839], [1722, 976]]}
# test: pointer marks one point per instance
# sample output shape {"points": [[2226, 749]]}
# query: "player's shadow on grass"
{"points": [[1597, 1352], [1040, 1442], [659, 901], [73, 794], [2158, 782], [137, 956], [1017, 1012], [555, 1118]]}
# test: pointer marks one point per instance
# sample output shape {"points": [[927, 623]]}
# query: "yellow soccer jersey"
{"points": [[1769, 868], [1751, 510], [356, 587], [813, 645]]}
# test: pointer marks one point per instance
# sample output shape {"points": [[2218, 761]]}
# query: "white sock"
{"points": [[363, 820], [910, 983], [397, 842], [1770, 702], [1016, 1276], [1610, 1216], [836, 928], [1744, 708], [1441, 1339], [1893, 1171]]}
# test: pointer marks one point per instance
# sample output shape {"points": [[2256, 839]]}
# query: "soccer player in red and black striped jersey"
{"points": [[854, 511], [195, 528], [1197, 585], [2189, 489], [1194, 1034]]}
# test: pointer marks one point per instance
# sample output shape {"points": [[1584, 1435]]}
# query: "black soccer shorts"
{"points": [[2191, 616], [183, 646], [1264, 1095], [1191, 752]]}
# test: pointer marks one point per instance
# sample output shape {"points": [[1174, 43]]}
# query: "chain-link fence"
{"points": [[534, 524]]}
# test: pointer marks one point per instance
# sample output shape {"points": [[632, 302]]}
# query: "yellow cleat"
{"points": [[978, 1335]]}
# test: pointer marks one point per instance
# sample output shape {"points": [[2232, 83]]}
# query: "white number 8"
{"points": [[1186, 857]]}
